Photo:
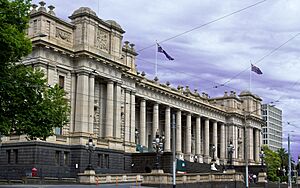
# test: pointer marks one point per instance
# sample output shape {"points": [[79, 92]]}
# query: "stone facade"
{"points": [[120, 108]]}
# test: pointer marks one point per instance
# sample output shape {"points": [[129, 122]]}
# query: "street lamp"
{"points": [[213, 150], [262, 157], [230, 149], [90, 147], [158, 146]]}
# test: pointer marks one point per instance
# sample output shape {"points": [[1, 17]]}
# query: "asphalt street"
{"points": [[127, 185]]}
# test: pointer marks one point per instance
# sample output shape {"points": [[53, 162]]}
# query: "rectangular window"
{"points": [[100, 160], [61, 82], [106, 161], [8, 156], [66, 158], [57, 157], [58, 131], [16, 156]]}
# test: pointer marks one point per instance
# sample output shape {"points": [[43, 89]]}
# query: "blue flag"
{"points": [[255, 69], [161, 50]]}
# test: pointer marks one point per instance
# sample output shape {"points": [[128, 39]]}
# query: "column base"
{"points": [[199, 158], [87, 177], [262, 177], [189, 157], [180, 156], [207, 159]]}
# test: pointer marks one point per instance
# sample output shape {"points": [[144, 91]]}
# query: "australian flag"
{"points": [[161, 50], [255, 69]]}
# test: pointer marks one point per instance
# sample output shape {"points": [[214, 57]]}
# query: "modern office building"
{"points": [[119, 107], [272, 132]]}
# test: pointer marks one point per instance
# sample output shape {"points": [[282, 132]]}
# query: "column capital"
{"points": [[110, 81]]}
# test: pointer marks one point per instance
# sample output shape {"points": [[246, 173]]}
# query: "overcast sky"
{"points": [[218, 53]]}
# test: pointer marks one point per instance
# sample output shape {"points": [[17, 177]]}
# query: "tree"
{"points": [[14, 17], [272, 161], [27, 105]]}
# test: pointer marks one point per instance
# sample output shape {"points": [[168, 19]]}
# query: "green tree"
{"points": [[27, 105], [14, 17], [272, 161]]}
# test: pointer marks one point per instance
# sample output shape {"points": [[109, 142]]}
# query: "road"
{"points": [[127, 185]]}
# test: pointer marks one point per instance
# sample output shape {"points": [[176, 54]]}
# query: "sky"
{"points": [[216, 55]]}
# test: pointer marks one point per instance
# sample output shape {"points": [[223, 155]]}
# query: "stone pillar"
{"points": [[257, 146], [132, 118], [168, 129], [82, 98], [109, 110], [155, 125], [222, 142], [127, 115], [198, 136], [178, 132], [215, 138], [117, 118], [206, 140], [143, 122], [250, 144], [73, 102], [91, 103], [188, 136]]}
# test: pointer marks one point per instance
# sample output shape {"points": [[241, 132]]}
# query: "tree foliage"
{"points": [[14, 17], [27, 104], [273, 162]]}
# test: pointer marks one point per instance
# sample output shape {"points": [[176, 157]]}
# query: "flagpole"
{"points": [[250, 72], [156, 59]]}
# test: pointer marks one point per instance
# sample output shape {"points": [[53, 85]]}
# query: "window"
{"points": [[58, 130], [100, 164], [106, 161], [57, 157], [61, 81], [8, 156], [16, 156], [66, 158]]}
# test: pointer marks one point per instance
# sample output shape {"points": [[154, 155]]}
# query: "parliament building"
{"points": [[120, 108]]}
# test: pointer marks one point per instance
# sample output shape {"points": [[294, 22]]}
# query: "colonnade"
{"points": [[195, 133]]}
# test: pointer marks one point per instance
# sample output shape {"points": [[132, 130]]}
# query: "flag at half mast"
{"points": [[256, 69], [161, 50]]}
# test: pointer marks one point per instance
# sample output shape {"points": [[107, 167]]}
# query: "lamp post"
{"points": [[213, 150], [230, 149], [90, 147], [262, 157], [158, 146]]}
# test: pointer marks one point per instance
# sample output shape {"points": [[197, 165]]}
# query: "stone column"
{"points": [[73, 102], [215, 138], [109, 110], [82, 98], [257, 146], [143, 122], [132, 119], [155, 120], [168, 129], [127, 115], [91, 103], [222, 142], [250, 144], [188, 136], [117, 118], [206, 140], [178, 132], [198, 136]]}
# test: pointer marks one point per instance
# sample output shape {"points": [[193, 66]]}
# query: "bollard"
{"points": [[117, 181]]}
